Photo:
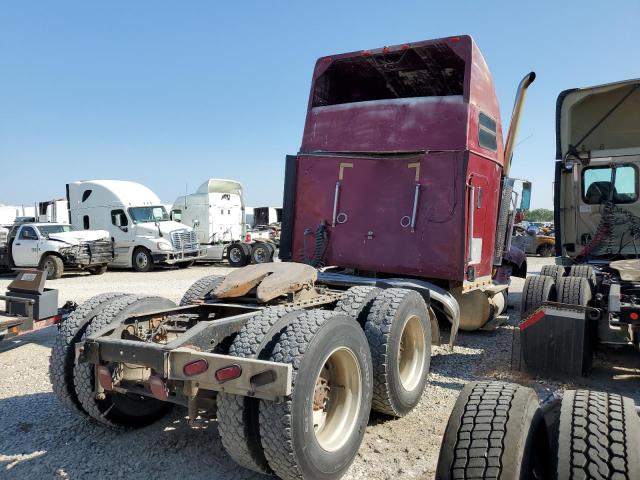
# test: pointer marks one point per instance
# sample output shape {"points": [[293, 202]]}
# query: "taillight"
{"points": [[158, 387], [104, 377], [195, 368], [228, 373], [247, 238]]}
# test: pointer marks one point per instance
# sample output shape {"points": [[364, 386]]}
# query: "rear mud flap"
{"points": [[554, 340]]}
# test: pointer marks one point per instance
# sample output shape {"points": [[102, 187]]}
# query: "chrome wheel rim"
{"points": [[336, 399], [411, 354]]}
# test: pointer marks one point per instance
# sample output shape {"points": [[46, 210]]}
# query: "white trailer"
{"points": [[216, 212], [53, 211], [140, 227]]}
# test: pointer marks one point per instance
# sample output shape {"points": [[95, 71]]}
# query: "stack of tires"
{"points": [[555, 284], [498, 430]]}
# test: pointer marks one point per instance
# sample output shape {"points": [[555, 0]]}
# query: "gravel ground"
{"points": [[39, 439]]}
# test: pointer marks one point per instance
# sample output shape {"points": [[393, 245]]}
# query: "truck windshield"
{"points": [[149, 214], [46, 230]]}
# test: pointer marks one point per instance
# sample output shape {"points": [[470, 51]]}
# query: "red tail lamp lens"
{"points": [[633, 316], [195, 368], [228, 373], [104, 377], [247, 238], [158, 387]]}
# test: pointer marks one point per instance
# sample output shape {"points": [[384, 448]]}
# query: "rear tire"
{"points": [[238, 417], [554, 271], [306, 436], [537, 290], [119, 410], [496, 431], [545, 250], [574, 291], [142, 260], [200, 289], [63, 352], [398, 329], [598, 437], [98, 270], [236, 255], [356, 302], [53, 266], [261, 253], [585, 271]]}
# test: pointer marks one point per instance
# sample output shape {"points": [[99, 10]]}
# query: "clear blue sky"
{"points": [[171, 93]]}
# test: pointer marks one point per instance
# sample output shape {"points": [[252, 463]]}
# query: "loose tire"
{"points": [[237, 256], [238, 417], [200, 289], [574, 291], [537, 290], [300, 441], [188, 264], [598, 437], [398, 330], [53, 266], [554, 271], [62, 357], [261, 253], [116, 409], [495, 431], [98, 270], [356, 302], [142, 260]]}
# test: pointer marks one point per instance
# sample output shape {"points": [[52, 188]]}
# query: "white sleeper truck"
{"points": [[138, 223], [216, 212], [54, 248]]}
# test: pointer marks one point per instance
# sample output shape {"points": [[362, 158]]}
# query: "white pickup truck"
{"points": [[55, 247]]}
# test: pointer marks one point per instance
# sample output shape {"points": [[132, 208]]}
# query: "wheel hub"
{"points": [[336, 399]]}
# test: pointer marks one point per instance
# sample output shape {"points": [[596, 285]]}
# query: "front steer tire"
{"points": [[398, 329], [62, 358], [141, 260], [598, 437], [116, 409], [53, 265], [238, 418], [495, 431], [317, 342]]}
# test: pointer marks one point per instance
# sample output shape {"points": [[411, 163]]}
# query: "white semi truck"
{"points": [[216, 212], [139, 225]]}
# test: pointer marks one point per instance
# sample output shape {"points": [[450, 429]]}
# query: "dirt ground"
{"points": [[39, 439]]}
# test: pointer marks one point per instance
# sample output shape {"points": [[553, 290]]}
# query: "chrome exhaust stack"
{"points": [[509, 145]]}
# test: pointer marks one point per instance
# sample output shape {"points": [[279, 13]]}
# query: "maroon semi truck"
{"points": [[397, 207]]}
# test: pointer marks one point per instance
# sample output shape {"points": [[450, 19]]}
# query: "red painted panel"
{"points": [[375, 195], [405, 124]]}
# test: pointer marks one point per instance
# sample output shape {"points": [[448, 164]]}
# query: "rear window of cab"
{"points": [[617, 183]]}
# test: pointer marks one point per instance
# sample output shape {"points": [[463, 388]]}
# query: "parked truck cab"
{"points": [[402, 172], [140, 227]]}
